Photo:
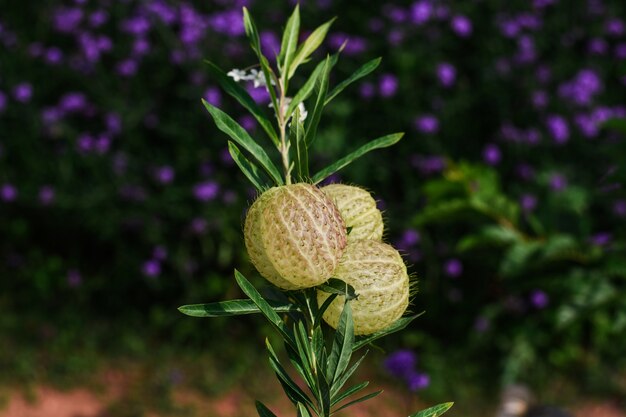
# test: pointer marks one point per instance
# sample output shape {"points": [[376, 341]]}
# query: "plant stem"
{"points": [[282, 126]]}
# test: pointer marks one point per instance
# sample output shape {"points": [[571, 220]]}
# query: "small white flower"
{"points": [[237, 74], [303, 112]]}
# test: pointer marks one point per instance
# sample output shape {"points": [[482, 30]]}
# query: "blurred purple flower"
{"points": [[199, 226], [395, 13], [136, 25], [540, 99], [557, 182], [160, 8], [615, 27], [587, 125], [151, 268], [539, 299], [620, 51], [461, 25], [558, 128], [3, 101], [446, 74], [165, 174], [354, 46], [541, 4], [46, 195], [388, 85], [67, 19], [72, 102], [159, 253], [619, 208], [226, 158], [400, 363], [417, 381], [453, 268], [113, 123], [601, 239], [528, 202], [53, 56], [206, 191], [395, 37], [213, 96], [428, 165], [74, 278], [8, 192], [98, 18], [421, 12], [597, 46], [582, 89], [410, 237], [229, 22], [247, 122], [23, 92], [492, 154], [367, 90], [270, 44], [525, 171], [141, 46], [481, 324], [126, 68], [35, 49], [427, 123], [85, 143], [259, 95]]}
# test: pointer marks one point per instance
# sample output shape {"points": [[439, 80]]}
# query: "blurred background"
{"points": [[119, 201]]}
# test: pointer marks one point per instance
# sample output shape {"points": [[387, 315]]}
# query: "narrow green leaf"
{"points": [[337, 286], [323, 308], [342, 345], [303, 411], [300, 365], [309, 46], [364, 70], [397, 326], [263, 410], [337, 385], [238, 134], [358, 400], [249, 169], [265, 308], [381, 142], [292, 389], [289, 43], [435, 411], [232, 308], [316, 114], [306, 90], [350, 391], [241, 95]]}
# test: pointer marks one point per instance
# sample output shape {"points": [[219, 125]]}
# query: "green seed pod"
{"points": [[295, 236], [358, 209], [378, 274]]}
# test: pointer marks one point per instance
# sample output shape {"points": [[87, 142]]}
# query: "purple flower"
{"points": [[540, 99], [388, 85], [151, 268], [400, 363], [453, 268], [354, 44], [528, 202], [582, 88], [53, 56], [446, 74], [228, 22], [428, 165], [557, 182], [159, 253], [98, 18], [3, 101], [421, 12], [558, 128], [461, 25], [226, 157], [85, 143], [165, 12], [247, 122], [141, 46], [427, 123], [126, 68], [74, 278], [615, 27], [72, 102], [597, 46], [367, 90], [165, 174], [587, 125], [113, 123], [206, 191], [67, 19], [410, 237], [417, 381], [259, 95], [620, 51], [539, 299], [213, 96], [619, 208], [136, 25], [8, 192], [199, 226], [601, 239], [46, 195], [23, 92], [270, 44], [492, 154]]}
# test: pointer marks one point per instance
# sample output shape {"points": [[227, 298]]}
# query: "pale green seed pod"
{"points": [[359, 211], [379, 276], [295, 236]]}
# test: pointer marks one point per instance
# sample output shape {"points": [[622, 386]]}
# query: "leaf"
{"points": [[323, 308], [249, 169], [289, 43], [358, 400], [232, 308], [435, 411], [241, 95], [263, 410], [350, 391], [364, 70], [309, 46], [306, 90], [303, 411], [381, 142], [292, 389], [443, 211], [397, 326], [265, 308], [342, 345], [334, 390], [238, 134], [316, 114], [339, 287]]}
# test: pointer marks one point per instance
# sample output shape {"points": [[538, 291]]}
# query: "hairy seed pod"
{"points": [[295, 236], [378, 274], [359, 211]]}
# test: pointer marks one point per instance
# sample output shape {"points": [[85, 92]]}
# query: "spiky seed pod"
{"points": [[359, 211], [378, 274], [295, 236]]}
